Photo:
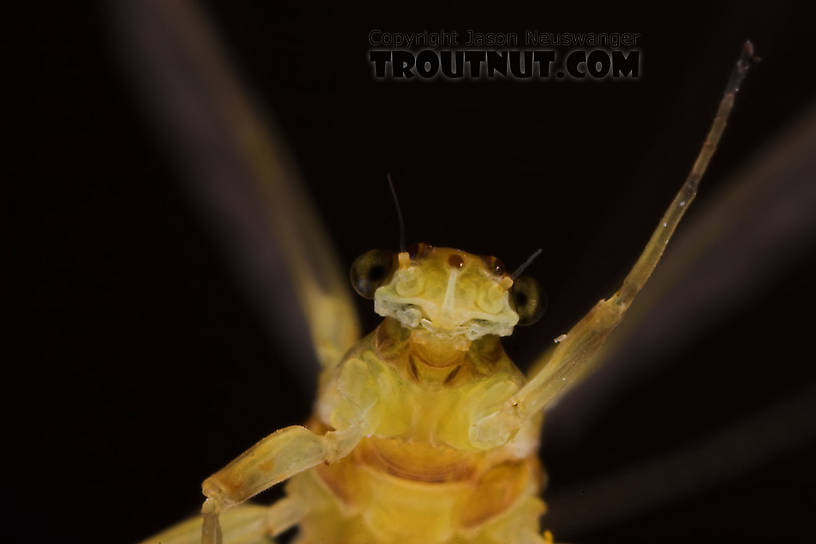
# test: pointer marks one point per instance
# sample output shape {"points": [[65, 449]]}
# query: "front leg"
{"points": [[277, 457], [294, 449], [245, 524], [576, 352]]}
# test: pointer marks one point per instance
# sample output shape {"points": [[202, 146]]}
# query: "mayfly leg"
{"points": [[249, 186], [245, 524], [292, 450], [573, 357], [575, 354]]}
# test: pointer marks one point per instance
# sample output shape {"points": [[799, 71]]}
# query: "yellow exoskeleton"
{"points": [[424, 431]]}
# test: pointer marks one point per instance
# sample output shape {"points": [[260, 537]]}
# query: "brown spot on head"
{"points": [[419, 250], [456, 261], [496, 266]]}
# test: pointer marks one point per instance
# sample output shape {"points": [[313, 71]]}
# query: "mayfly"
{"points": [[424, 430]]}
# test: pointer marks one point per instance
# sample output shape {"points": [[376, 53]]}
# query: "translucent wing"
{"points": [[237, 170]]}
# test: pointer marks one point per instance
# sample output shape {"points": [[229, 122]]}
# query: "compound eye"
{"points": [[371, 270], [528, 300]]}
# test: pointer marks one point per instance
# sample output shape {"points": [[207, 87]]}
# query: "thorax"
{"points": [[429, 392]]}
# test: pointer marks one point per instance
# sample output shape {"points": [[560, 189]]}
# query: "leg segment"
{"points": [[294, 449], [573, 357], [277, 457], [246, 524]]}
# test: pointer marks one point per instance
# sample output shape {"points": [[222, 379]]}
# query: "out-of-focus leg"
{"points": [[245, 524]]}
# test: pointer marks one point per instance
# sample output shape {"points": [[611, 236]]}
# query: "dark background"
{"points": [[157, 366]]}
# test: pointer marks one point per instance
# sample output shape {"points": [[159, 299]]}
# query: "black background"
{"points": [[156, 364]]}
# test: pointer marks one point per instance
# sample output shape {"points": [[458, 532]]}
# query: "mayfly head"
{"points": [[446, 292]]}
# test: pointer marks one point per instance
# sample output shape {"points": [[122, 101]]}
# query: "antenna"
{"points": [[526, 263], [399, 213]]}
